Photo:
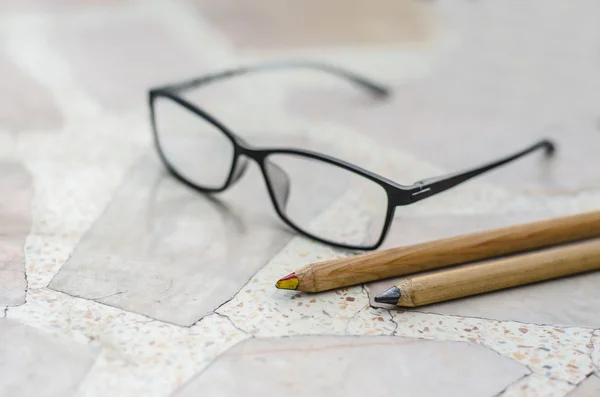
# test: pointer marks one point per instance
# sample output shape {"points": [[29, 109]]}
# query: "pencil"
{"points": [[342, 272], [473, 279]]}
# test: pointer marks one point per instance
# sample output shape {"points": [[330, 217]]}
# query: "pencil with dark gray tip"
{"points": [[493, 275], [342, 272]]}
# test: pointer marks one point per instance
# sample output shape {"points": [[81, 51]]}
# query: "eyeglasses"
{"points": [[204, 154]]}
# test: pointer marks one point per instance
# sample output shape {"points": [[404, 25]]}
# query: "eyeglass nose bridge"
{"points": [[278, 179], [279, 182], [240, 167], [241, 164]]}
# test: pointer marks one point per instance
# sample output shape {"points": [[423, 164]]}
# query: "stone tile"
{"points": [[434, 327], [319, 365], [171, 253], [263, 311], [588, 388], [140, 356], [596, 349], [76, 175], [535, 385], [562, 354], [281, 24], [25, 104], [566, 301], [492, 93], [56, 5], [33, 363], [371, 321], [557, 353], [377, 321], [118, 61], [16, 193]]}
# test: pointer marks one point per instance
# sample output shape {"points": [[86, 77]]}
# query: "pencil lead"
{"points": [[288, 282], [390, 296]]}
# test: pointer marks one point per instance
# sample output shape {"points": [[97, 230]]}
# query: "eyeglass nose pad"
{"points": [[240, 167], [280, 183]]}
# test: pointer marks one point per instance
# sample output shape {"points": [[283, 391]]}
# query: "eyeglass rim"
{"points": [[241, 148]]}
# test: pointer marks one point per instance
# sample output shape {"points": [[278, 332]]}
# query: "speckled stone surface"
{"points": [[352, 366], [74, 118], [535, 385]]}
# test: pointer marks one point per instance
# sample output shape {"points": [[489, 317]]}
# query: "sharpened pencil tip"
{"points": [[390, 296], [288, 282]]}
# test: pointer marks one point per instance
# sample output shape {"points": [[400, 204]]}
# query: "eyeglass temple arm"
{"points": [[430, 186], [363, 82]]}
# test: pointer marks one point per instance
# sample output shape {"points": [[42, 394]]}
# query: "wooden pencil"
{"points": [[341, 272], [478, 278]]}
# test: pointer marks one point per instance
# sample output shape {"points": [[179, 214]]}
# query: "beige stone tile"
{"points": [[33, 363], [566, 301], [515, 73], [285, 24], [16, 193], [590, 387], [351, 366], [25, 104], [118, 61]]}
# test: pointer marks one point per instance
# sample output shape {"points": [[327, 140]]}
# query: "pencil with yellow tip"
{"points": [[342, 272]]}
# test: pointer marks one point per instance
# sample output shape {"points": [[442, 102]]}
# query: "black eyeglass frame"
{"points": [[397, 194]]}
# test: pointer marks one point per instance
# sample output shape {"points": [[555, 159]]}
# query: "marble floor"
{"points": [[117, 280]]}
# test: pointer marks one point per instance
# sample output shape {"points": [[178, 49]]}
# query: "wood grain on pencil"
{"points": [[473, 279], [441, 253]]}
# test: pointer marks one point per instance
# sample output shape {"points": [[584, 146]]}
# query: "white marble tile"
{"points": [[352, 366], [535, 385], [34, 363]]}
